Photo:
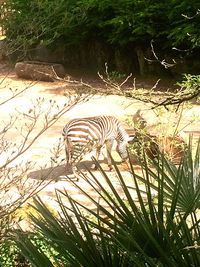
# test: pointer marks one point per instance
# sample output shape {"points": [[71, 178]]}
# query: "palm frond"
{"points": [[127, 229]]}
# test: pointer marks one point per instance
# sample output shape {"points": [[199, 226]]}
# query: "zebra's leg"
{"points": [[109, 145], [70, 166], [68, 151], [75, 173], [98, 150]]}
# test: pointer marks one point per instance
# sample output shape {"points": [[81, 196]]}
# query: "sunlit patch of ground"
{"points": [[114, 105]]}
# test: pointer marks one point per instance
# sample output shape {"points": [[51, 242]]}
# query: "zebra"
{"points": [[83, 135]]}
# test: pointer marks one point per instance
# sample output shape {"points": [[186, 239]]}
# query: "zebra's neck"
{"points": [[122, 135]]}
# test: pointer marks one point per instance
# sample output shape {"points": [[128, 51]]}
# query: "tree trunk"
{"points": [[141, 60]]}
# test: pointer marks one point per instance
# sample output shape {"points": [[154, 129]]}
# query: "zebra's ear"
{"points": [[131, 139]]}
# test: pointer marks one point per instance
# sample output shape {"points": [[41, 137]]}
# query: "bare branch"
{"points": [[28, 125], [110, 83], [151, 96], [163, 61], [16, 93], [187, 17]]}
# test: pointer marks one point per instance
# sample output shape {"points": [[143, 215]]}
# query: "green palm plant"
{"points": [[132, 230], [72, 239], [187, 173]]}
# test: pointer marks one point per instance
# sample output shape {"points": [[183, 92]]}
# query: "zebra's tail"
{"points": [[64, 134]]}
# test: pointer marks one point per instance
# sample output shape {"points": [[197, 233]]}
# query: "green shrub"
{"points": [[10, 255], [173, 23]]}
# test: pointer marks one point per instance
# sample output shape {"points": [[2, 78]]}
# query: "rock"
{"points": [[41, 71]]}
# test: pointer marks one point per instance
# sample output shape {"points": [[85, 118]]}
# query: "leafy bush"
{"points": [[160, 229], [10, 255], [118, 22], [28, 23], [184, 17], [190, 82]]}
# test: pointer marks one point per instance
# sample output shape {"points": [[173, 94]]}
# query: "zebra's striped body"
{"points": [[86, 134]]}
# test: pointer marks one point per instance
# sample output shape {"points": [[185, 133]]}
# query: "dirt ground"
{"points": [[114, 105]]}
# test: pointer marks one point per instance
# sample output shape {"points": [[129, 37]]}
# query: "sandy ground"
{"points": [[39, 153]]}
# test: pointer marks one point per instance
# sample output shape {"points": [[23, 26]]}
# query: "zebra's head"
{"points": [[122, 147]]}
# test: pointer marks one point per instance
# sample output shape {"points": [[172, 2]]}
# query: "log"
{"points": [[40, 71]]}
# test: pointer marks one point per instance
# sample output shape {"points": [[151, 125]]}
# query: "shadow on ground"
{"points": [[55, 173]]}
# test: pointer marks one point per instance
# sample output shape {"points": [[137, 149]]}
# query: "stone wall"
{"points": [[92, 56]]}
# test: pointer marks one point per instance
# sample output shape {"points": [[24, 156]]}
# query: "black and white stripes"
{"points": [[83, 135]]}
